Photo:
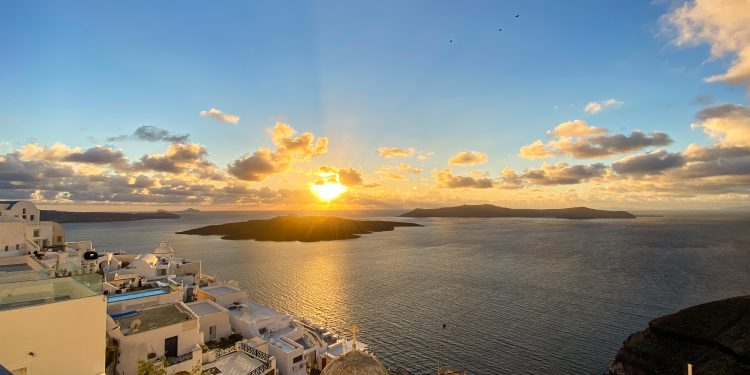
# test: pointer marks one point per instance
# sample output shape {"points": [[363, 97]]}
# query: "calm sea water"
{"points": [[518, 296]]}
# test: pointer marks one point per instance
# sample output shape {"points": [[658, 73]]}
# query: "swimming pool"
{"points": [[139, 294]]}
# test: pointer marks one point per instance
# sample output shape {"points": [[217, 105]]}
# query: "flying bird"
{"points": [[517, 15], [500, 29]]}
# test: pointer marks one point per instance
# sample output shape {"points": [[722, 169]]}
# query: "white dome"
{"points": [[163, 249]]}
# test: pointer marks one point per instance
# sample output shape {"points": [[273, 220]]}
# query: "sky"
{"points": [[387, 104]]}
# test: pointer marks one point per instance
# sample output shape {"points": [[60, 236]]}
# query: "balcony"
{"points": [[171, 361]]}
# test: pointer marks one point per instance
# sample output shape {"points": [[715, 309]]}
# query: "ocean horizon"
{"points": [[517, 295]]}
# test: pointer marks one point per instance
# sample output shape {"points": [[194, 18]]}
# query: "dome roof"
{"points": [[355, 363], [163, 249]]}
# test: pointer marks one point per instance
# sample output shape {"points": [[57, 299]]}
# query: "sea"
{"points": [[516, 296]]}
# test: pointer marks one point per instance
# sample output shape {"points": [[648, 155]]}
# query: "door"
{"points": [[211, 332], [170, 347]]}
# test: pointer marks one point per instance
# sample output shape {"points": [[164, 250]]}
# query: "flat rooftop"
{"points": [[21, 294], [282, 344], [237, 363], [221, 290], [155, 317], [205, 307]]}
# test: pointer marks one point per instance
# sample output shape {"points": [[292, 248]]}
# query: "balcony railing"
{"points": [[171, 361], [249, 350]]}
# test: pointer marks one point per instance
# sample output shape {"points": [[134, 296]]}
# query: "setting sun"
{"points": [[328, 191]]}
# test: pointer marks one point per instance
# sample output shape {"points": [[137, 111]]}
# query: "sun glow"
{"points": [[328, 191]]}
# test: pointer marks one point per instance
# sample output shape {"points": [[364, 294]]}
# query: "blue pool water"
{"points": [[131, 295]]}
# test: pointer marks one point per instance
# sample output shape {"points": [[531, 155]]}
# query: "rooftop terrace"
{"points": [[42, 291], [155, 317], [205, 307], [221, 290]]}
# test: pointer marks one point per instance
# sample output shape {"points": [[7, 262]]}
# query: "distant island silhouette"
{"points": [[297, 228], [102, 217], [489, 210]]}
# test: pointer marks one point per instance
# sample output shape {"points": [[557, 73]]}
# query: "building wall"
{"points": [[137, 346], [23, 210], [12, 235], [220, 320], [40, 232], [65, 337]]}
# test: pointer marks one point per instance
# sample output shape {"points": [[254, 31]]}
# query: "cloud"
{"points": [[654, 162], [398, 171], [264, 162], [535, 150], [576, 128], [218, 115], [702, 100], [562, 173], [468, 158], [445, 178], [395, 152], [97, 155], [178, 158], [344, 176], [580, 140], [596, 107], [728, 124], [724, 25], [152, 134]]}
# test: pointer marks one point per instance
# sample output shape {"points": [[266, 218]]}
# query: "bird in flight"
{"points": [[517, 15]]}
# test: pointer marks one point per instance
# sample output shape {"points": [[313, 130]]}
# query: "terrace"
{"points": [[153, 318], [240, 359]]}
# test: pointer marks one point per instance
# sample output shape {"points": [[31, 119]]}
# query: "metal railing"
{"points": [[171, 361], [249, 350]]}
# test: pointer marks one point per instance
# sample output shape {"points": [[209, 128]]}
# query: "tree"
{"points": [[151, 368]]}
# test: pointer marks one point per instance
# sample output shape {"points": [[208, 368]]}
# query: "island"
{"points": [[713, 337], [297, 228], [489, 210], [102, 217]]}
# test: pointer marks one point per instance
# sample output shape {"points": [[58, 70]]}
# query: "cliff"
{"points": [[97, 217], [488, 210], [714, 337]]}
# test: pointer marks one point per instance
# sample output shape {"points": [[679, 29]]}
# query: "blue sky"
{"points": [[363, 74]]}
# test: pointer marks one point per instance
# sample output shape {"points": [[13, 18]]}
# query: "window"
{"points": [[297, 358], [6, 247], [36, 232], [24, 211], [263, 330], [59, 238], [18, 246], [32, 217], [212, 332]]}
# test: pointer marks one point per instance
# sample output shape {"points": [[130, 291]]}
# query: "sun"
{"points": [[328, 191]]}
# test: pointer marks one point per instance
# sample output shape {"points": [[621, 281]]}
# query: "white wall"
{"points": [[137, 346], [65, 337], [18, 209], [12, 233]]}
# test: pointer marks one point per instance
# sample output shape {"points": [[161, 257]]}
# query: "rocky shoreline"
{"points": [[714, 337]]}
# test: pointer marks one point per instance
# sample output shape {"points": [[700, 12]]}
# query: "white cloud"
{"points": [[218, 115], [596, 107], [724, 25]]}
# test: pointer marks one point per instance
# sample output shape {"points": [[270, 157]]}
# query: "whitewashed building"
{"points": [[50, 325]]}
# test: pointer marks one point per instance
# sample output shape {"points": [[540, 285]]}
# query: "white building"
{"points": [[213, 319], [168, 332], [50, 325], [38, 235]]}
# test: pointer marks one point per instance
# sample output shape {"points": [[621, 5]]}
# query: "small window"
{"points": [[212, 330], [32, 217], [6, 247], [297, 358], [23, 217], [18, 246], [59, 238], [36, 232], [24, 211]]}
